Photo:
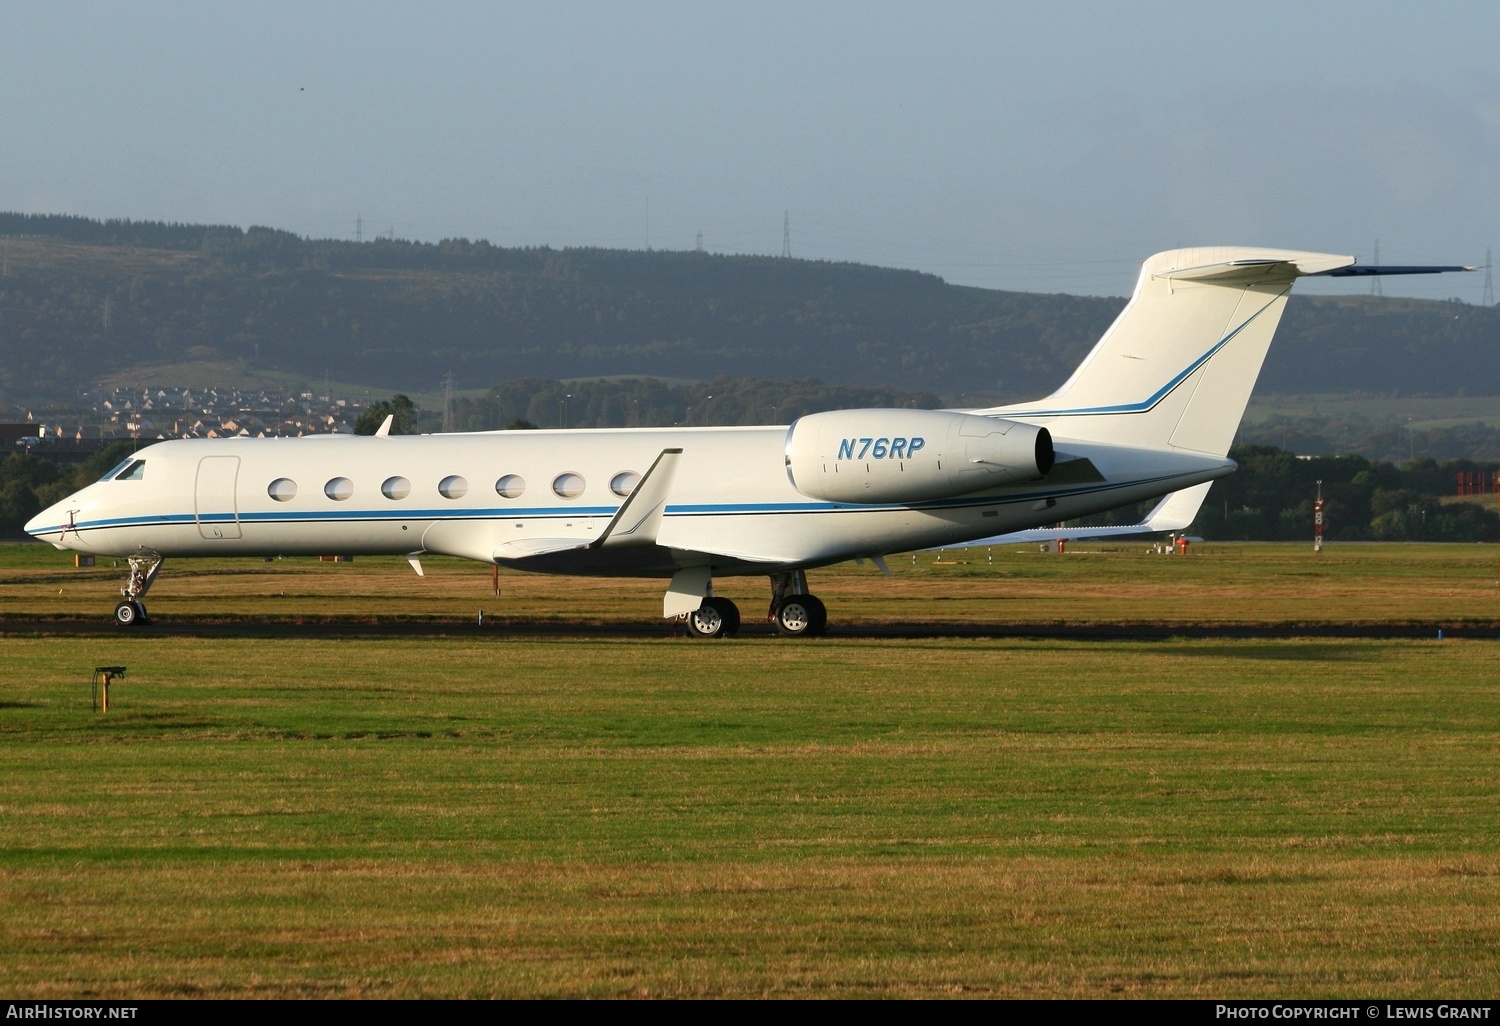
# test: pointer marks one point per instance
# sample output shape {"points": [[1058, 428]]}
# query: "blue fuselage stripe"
{"points": [[552, 513]]}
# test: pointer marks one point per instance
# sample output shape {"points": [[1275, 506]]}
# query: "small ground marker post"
{"points": [[103, 676]]}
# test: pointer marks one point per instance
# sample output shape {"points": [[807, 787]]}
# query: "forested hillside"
{"points": [[81, 298]]}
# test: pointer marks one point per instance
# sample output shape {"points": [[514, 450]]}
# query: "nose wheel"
{"points": [[130, 614]]}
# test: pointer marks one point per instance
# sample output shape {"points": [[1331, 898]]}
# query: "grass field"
{"points": [[1117, 582], [631, 816]]}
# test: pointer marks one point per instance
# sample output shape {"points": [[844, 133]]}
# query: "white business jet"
{"points": [[1152, 410]]}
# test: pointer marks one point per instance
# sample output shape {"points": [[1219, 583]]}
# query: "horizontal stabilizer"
{"points": [[1173, 513], [1177, 510], [1371, 270], [1176, 368]]}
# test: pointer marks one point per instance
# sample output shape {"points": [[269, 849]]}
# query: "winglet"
{"points": [[385, 428], [638, 520]]}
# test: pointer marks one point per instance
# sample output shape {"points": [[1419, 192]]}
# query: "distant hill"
{"points": [[81, 299]]}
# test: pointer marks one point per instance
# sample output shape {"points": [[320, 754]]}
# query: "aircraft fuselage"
{"points": [[483, 495]]}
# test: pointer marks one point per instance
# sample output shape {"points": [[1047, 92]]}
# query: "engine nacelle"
{"points": [[910, 455]]}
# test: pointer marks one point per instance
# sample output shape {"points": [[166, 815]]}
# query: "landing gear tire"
{"points": [[716, 618], [801, 616], [144, 567], [130, 614]]}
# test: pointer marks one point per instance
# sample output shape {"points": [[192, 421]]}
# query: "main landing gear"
{"points": [[794, 612], [716, 618], [131, 612]]}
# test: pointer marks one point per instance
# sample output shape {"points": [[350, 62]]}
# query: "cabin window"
{"points": [[339, 489], [453, 487], [623, 483], [395, 488], [135, 472], [568, 486], [511, 486], [283, 489]]}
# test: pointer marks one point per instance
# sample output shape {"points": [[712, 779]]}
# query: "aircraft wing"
{"points": [[529, 547], [1172, 513], [634, 524]]}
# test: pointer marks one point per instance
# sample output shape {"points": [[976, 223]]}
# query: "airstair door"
{"points": [[213, 497]]}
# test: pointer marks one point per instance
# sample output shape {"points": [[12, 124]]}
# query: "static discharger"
{"points": [[103, 677]]}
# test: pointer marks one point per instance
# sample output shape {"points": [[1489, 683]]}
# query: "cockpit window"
{"points": [[135, 472], [109, 475]]}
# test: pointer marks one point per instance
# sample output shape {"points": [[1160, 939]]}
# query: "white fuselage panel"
{"points": [[731, 503]]}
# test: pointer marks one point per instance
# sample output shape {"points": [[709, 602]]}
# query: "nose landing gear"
{"points": [[131, 612]]}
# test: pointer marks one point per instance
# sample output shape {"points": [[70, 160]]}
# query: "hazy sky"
{"points": [[1034, 146]]}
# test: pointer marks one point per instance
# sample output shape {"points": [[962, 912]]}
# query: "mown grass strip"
{"points": [[625, 816]]}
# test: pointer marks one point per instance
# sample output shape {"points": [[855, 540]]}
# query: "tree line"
{"points": [[1271, 496], [1384, 438]]}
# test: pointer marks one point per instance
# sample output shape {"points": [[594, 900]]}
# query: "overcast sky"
{"points": [[1045, 147]]}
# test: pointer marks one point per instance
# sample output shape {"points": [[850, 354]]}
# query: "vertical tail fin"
{"points": [[1176, 368]]}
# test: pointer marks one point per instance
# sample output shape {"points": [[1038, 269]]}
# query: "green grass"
{"points": [[1111, 582], [466, 817]]}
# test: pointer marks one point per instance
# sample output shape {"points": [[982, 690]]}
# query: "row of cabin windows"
{"points": [[568, 485]]}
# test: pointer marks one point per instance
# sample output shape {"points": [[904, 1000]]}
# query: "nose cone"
{"points": [[54, 523]]}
